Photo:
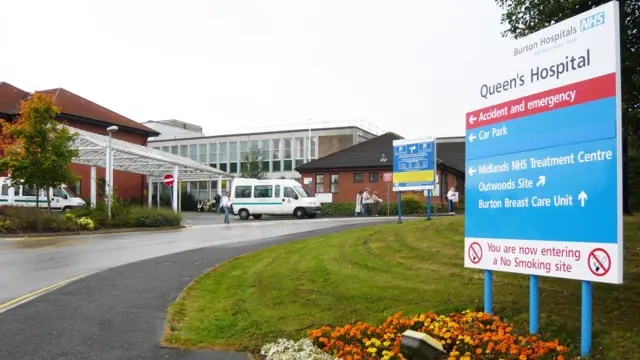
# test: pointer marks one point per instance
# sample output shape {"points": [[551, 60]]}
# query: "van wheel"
{"points": [[66, 209], [244, 214], [300, 213], [257, 216]]}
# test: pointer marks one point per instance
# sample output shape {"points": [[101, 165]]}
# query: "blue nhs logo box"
{"points": [[592, 21]]}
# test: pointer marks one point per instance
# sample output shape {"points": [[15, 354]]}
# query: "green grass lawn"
{"points": [[371, 273]]}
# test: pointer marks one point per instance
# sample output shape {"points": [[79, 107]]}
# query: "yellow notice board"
{"points": [[414, 176]]}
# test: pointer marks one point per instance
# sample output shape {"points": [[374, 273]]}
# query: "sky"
{"points": [[225, 65]]}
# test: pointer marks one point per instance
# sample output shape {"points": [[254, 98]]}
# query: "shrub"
{"points": [[289, 350], [188, 201], [128, 216], [410, 206], [16, 219], [464, 336]]}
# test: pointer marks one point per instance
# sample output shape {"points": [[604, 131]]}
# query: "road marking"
{"points": [[34, 294]]}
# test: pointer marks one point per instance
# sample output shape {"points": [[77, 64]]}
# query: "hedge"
{"points": [[20, 219], [410, 206]]}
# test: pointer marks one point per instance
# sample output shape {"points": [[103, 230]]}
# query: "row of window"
{"points": [[268, 191], [374, 177], [277, 154]]}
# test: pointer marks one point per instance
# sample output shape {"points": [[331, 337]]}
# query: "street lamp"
{"points": [[109, 174]]}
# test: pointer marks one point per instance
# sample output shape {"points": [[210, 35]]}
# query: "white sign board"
{"points": [[324, 197], [543, 153]]}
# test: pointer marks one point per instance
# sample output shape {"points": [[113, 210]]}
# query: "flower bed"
{"points": [[464, 336]]}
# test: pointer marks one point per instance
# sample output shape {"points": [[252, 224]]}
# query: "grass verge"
{"points": [[370, 273]]}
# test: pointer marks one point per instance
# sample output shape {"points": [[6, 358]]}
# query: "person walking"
{"points": [[226, 205], [358, 203]]}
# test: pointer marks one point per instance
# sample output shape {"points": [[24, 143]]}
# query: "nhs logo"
{"points": [[592, 21]]}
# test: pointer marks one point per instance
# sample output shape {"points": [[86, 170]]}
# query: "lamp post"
{"points": [[109, 174]]}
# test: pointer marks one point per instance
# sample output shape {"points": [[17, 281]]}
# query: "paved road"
{"points": [[119, 313], [27, 265]]}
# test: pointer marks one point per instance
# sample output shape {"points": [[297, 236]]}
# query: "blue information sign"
{"points": [[543, 156], [414, 164]]}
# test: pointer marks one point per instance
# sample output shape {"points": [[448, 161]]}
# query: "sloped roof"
{"points": [[10, 97], [72, 104], [367, 154]]}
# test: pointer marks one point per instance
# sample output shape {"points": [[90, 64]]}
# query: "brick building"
{"points": [[83, 114], [347, 171]]}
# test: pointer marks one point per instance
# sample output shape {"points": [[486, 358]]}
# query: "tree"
{"points": [[523, 17], [37, 149], [251, 165]]}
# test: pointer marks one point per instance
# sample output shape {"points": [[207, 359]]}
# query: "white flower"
{"points": [[284, 349]]}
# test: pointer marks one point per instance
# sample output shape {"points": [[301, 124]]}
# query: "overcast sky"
{"points": [[230, 64]]}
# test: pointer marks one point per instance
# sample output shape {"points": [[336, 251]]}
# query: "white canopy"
{"points": [[138, 159]]}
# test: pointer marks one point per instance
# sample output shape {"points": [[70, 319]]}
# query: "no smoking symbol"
{"points": [[475, 252], [599, 262]]}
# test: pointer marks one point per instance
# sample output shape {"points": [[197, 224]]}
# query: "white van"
{"points": [[251, 197], [62, 198]]}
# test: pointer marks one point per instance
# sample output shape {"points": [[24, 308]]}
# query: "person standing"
{"points": [[376, 200], [367, 200], [450, 195], [358, 203], [217, 201], [226, 205]]}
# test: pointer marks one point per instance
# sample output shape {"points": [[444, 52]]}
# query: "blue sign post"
{"points": [[544, 159], [414, 166]]}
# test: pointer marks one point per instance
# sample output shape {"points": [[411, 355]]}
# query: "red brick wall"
{"points": [[347, 188]]}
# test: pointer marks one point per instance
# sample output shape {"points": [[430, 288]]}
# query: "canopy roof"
{"points": [[138, 159]]}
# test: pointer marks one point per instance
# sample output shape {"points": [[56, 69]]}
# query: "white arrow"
{"points": [[472, 137], [541, 180], [472, 119], [472, 171], [582, 197]]}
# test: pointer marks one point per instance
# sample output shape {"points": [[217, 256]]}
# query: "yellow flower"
{"points": [[386, 343]]}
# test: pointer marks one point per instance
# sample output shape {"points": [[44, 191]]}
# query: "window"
{"points": [[184, 150], [233, 167], [287, 149], [276, 155], [223, 153], [57, 192], [357, 177], [314, 141], [233, 151], [374, 177], [265, 155], [277, 191], [300, 148], [334, 184], [288, 163], [213, 154], [302, 192], [29, 190], [319, 183], [102, 186], [165, 148], [174, 149], [262, 191], [254, 145], [193, 152], [5, 190], [75, 188], [289, 192], [243, 192], [203, 153], [244, 149]]}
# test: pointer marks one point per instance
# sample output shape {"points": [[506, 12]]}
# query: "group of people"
{"points": [[365, 201], [219, 204]]}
